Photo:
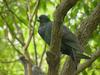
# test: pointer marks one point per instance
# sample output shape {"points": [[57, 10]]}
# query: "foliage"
{"points": [[15, 29]]}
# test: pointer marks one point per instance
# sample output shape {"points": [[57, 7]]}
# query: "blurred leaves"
{"points": [[14, 23]]}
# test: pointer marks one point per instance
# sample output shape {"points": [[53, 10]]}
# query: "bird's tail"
{"points": [[82, 56]]}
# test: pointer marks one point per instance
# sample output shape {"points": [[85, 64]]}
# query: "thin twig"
{"points": [[31, 32], [19, 31], [56, 36], [35, 9], [42, 56], [28, 12], [12, 33], [35, 13], [87, 63], [14, 46], [30, 37], [13, 12], [35, 46]]}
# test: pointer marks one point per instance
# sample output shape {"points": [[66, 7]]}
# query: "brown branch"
{"points": [[88, 63], [28, 12], [31, 31], [34, 43], [34, 13], [87, 27], [68, 67], [85, 32], [35, 9], [53, 56]]}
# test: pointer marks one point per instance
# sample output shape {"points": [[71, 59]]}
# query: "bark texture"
{"points": [[87, 63], [85, 31], [53, 55], [89, 25]]}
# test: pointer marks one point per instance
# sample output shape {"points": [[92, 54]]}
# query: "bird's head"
{"points": [[43, 19]]}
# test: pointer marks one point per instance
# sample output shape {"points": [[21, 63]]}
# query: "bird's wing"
{"points": [[45, 32], [69, 39], [47, 29]]}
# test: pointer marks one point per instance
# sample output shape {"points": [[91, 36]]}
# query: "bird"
{"points": [[69, 43]]}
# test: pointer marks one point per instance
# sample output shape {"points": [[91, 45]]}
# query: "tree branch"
{"points": [[53, 56], [88, 63], [89, 25], [84, 33], [31, 31], [44, 51], [86, 28]]}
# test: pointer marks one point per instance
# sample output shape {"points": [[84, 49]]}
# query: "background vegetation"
{"points": [[19, 33]]}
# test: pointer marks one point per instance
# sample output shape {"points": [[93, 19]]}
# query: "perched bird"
{"points": [[69, 42]]}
